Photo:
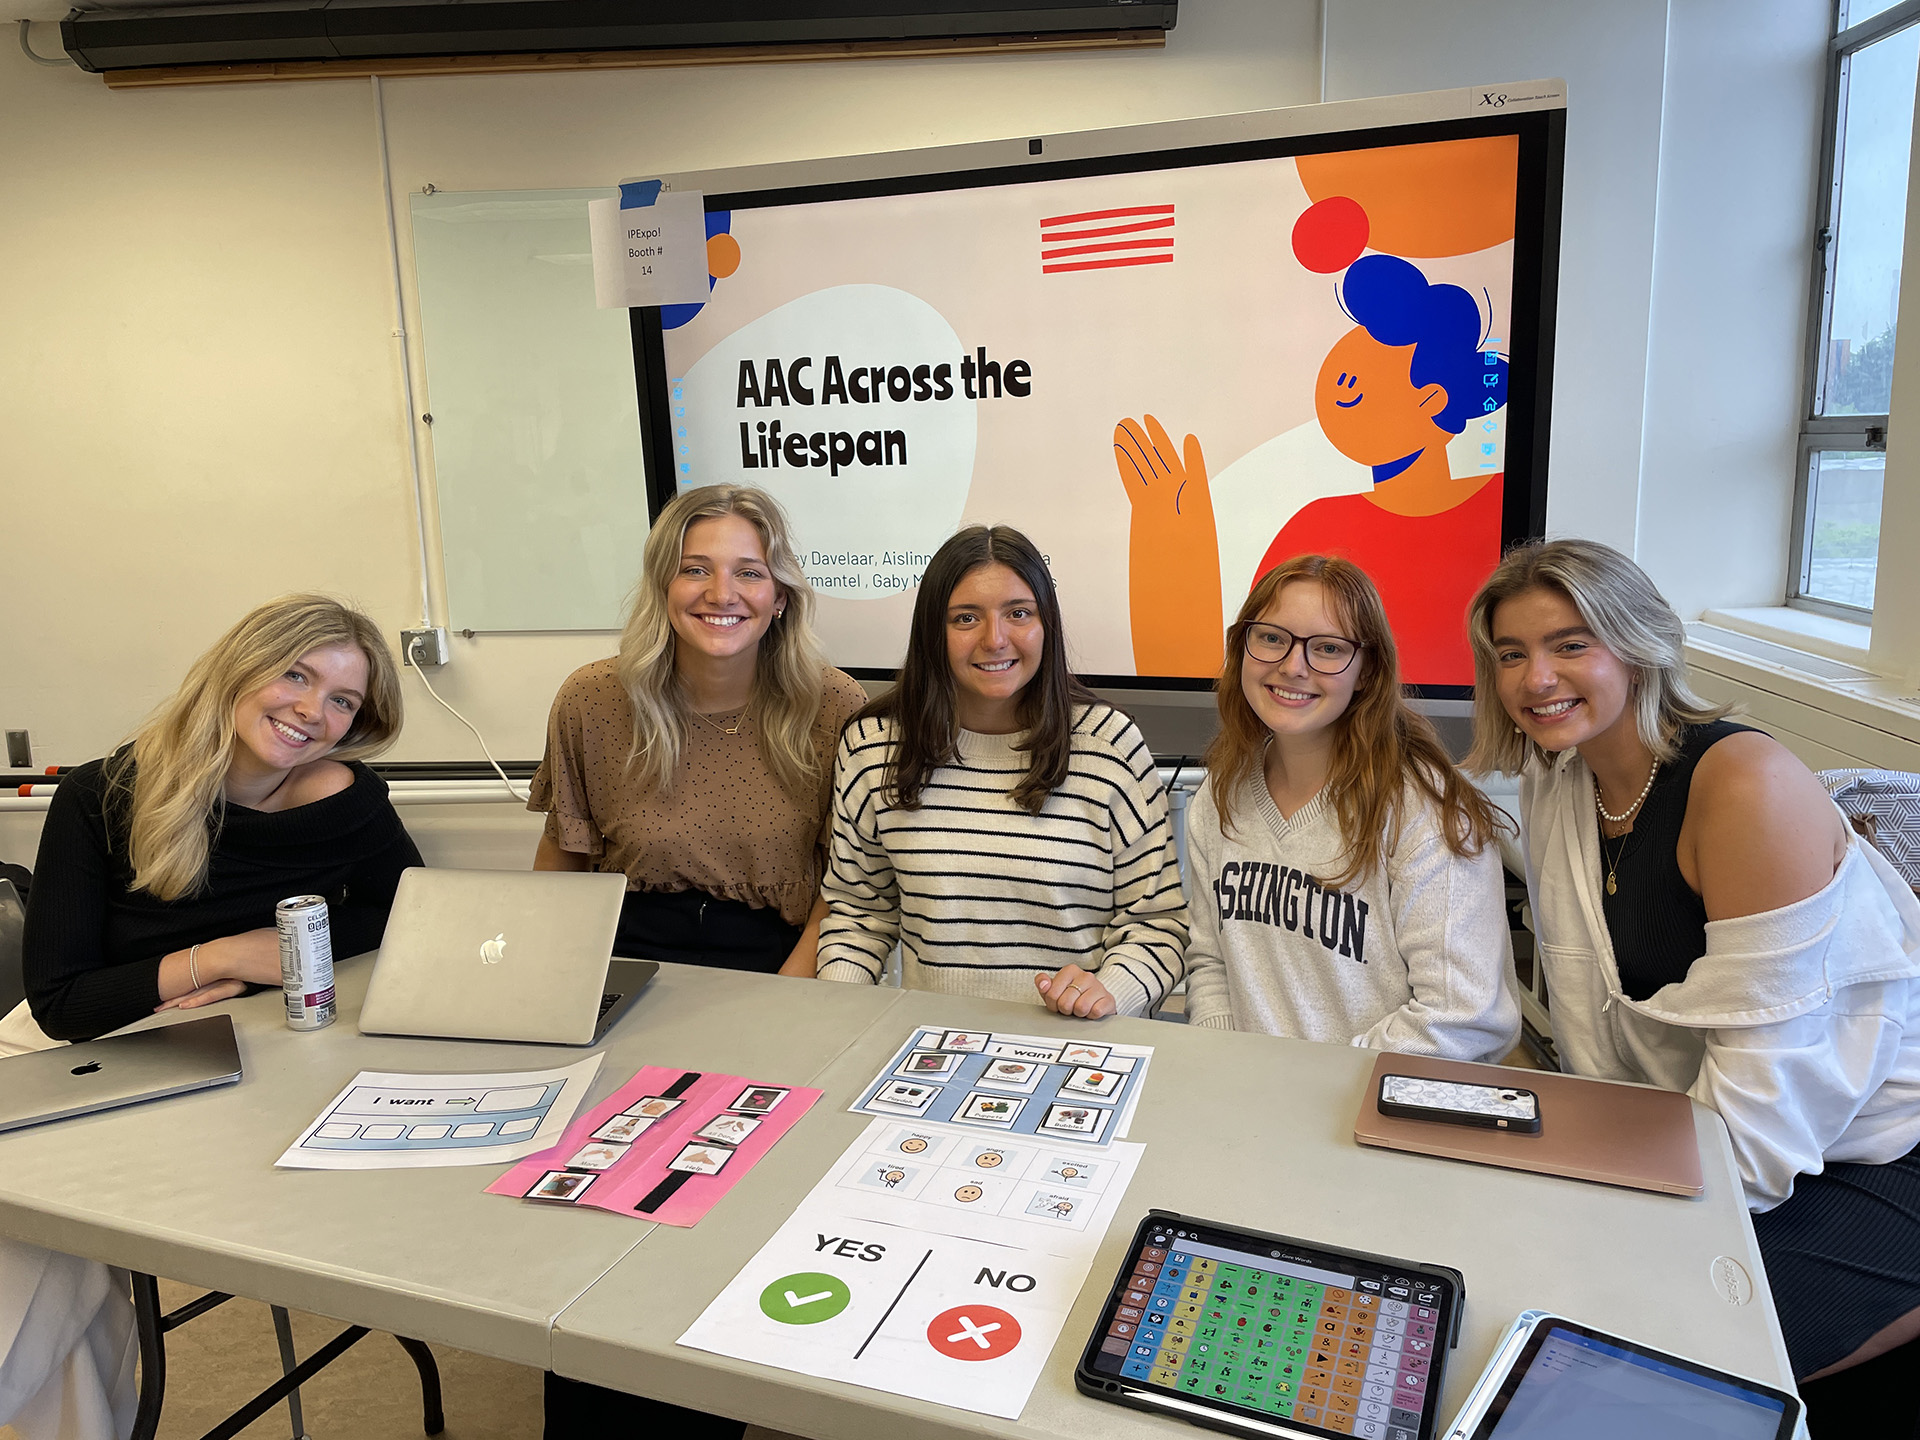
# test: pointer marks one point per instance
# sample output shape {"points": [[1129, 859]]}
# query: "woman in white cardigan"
{"points": [[1708, 923]]}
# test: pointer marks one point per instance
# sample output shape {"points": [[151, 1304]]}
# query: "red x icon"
{"points": [[973, 1332]]}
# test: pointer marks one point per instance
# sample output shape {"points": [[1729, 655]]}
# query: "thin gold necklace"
{"points": [[733, 729], [1614, 859], [1625, 817]]}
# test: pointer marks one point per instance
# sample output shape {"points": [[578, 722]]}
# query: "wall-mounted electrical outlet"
{"points": [[19, 749], [425, 647]]}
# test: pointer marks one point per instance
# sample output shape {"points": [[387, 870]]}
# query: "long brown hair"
{"points": [[921, 705], [1379, 743]]}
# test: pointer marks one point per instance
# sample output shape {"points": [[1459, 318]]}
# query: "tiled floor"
{"points": [[216, 1363], [219, 1361]]}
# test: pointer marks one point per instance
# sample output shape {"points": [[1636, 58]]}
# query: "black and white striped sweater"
{"points": [[983, 896]]}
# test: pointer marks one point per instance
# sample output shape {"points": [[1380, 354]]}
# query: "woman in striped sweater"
{"points": [[1001, 823]]}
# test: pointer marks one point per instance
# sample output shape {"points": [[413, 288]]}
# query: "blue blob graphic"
{"points": [[672, 317], [1396, 305]]}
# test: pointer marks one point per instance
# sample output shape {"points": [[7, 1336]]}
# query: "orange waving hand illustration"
{"points": [[1173, 554]]}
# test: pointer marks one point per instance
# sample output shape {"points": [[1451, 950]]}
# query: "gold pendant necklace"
{"points": [[1623, 818], [1613, 860], [733, 729]]}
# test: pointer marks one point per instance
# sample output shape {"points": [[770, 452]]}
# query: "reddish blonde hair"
{"points": [[1380, 744]]}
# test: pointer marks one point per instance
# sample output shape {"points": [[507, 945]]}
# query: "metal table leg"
{"points": [[283, 1332]]}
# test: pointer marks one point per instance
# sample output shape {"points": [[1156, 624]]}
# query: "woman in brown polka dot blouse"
{"points": [[699, 760]]}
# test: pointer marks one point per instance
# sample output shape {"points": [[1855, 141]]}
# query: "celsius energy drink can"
{"points": [[306, 961]]}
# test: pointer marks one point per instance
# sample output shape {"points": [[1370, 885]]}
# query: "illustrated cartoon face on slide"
{"points": [[1367, 402], [1409, 375]]}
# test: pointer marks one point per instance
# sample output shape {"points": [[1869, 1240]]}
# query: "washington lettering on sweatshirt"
{"points": [[1413, 956], [1269, 894]]}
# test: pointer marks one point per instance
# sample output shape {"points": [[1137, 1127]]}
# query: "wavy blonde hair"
{"points": [[1382, 747], [1626, 613], [789, 678], [170, 778]]}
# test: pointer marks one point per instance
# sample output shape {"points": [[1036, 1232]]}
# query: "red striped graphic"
{"points": [[1134, 229], [1110, 245], [1059, 234], [1086, 215], [1109, 264]]}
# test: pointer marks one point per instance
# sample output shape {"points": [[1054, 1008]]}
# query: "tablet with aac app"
{"points": [[502, 955], [1552, 1378]]}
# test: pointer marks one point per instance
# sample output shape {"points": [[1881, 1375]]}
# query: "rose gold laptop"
{"points": [[1631, 1135]]}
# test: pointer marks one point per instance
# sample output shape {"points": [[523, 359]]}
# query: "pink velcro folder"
{"points": [[665, 1146]]}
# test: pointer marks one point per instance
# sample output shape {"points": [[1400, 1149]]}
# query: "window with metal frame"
{"points": [[1872, 64]]}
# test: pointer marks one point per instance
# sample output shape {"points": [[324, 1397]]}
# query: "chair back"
{"points": [[13, 925], [1884, 806]]}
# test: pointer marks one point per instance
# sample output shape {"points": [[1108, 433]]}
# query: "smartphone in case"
{"points": [[1488, 1107]]}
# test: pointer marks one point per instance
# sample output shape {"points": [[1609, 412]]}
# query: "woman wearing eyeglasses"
{"points": [[1346, 883]]}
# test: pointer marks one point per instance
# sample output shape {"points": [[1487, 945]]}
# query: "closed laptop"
{"points": [[502, 955], [117, 1070]]}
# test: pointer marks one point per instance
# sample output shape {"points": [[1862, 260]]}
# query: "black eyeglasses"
{"points": [[1326, 654]]}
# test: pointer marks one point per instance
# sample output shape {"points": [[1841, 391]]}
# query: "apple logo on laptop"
{"points": [[86, 1069], [493, 951]]}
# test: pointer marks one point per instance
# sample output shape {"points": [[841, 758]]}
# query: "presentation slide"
{"points": [[1172, 378]]}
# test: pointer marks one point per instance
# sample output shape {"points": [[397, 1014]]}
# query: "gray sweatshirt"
{"points": [[1413, 957]]}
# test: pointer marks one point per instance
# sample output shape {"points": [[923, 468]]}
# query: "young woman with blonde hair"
{"points": [[1708, 923], [158, 873], [159, 867], [697, 761], [1348, 886]]}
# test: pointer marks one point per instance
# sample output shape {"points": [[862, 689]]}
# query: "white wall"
{"points": [[1692, 131], [199, 387], [199, 400], [1733, 255], [1612, 57]]}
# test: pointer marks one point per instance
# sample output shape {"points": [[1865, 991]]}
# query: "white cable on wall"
{"points": [[420, 670]]}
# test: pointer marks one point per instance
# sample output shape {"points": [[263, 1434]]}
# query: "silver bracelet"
{"points": [[193, 966]]}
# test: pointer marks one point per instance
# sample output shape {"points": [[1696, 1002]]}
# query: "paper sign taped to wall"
{"points": [[651, 254]]}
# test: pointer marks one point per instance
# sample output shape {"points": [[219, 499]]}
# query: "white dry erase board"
{"points": [[536, 429]]}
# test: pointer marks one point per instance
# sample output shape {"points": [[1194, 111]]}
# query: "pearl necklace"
{"points": [[1613, 861], [1628, 813]]}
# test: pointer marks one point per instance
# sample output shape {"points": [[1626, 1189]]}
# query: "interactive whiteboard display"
{"points": [[1173, 367]]}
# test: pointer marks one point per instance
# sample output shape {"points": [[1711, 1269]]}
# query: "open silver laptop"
{"points": [[117, 1070], [502, 955]]}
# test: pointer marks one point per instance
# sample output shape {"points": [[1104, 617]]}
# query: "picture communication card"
{"points": [[665, 1146], [935, 1261], [385, 1121], [1039, 1085]]}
